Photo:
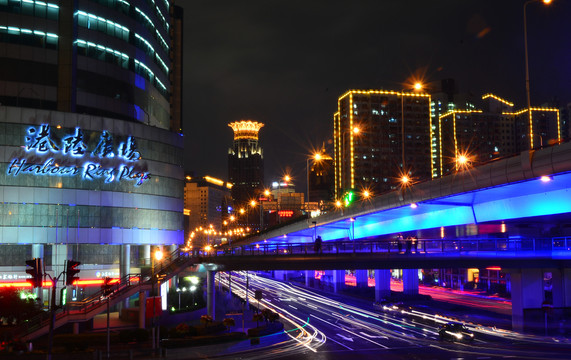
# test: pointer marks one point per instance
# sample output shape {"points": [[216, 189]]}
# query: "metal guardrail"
{"points": [[98, 301], [428, 246]]}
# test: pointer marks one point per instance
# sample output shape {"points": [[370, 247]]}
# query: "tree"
{"points": [[257, 318], [270, 316], [206, 319], [17, 308], [229, 322]]}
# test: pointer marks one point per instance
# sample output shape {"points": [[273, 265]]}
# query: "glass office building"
{"points": [[90, 134]]}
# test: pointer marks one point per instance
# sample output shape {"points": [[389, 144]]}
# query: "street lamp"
{"points": [[253, 204], [286, 179], [316, 158], [546, 2], [463, 162], [157, 256], [417, 87]]}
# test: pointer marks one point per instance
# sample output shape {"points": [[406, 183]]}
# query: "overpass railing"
{"points": [[428, 246]]}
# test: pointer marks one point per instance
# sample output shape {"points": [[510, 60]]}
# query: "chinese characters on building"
{"points": [[90, 165]]}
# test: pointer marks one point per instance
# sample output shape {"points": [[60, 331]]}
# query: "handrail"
{"points": [[127, 283], [394, 246]]}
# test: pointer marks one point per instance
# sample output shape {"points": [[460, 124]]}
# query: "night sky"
{"points": [[285, 63]]}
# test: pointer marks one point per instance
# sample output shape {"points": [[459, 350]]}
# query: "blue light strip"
{"points": [[511, 201]]}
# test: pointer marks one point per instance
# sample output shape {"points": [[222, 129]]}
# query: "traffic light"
{"points": [[106, 287], [35, 269], [70, 271]]}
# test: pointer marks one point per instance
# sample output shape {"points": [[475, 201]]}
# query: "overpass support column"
{"points": [[210, 292], [338, 280], [309, 274], [382, 284], [527, 293], [280, 275], [561, 288], [410, 281], [142, 309], [362, 279]]}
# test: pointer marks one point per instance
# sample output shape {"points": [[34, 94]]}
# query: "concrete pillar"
{"points": [[527, 293], [280, 275], [337, 279], [210, 293], [146, 254], [76, 328], [142, 309], [410, 281], [566, 283], [125, 269], [561, 288], [309, 274], [362, 278], [382, 284], [125, 264]]}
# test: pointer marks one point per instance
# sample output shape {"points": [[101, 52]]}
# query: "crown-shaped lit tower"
{"points": [[245, 161]]}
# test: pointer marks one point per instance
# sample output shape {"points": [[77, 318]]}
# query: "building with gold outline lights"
{"points": [[368, 139], [245, 161], [496, 130]]}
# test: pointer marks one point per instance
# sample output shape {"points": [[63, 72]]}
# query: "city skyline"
{"points": [[238, 53]]}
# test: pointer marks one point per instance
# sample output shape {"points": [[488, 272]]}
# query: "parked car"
{"points": [[455, 332]]}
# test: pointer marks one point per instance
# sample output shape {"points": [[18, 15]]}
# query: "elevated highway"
{"points": [[535, 185]]}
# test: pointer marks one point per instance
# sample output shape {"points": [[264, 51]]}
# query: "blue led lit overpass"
{"points": [[530, 185]]}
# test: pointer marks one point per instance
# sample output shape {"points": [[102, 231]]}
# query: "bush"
{"points": [[270, 328], [81, 342], [133, 335], [203, 340], [206, 319], [229, 322]]}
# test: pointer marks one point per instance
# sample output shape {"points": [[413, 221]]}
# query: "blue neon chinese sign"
{"points": [[70, 156]]}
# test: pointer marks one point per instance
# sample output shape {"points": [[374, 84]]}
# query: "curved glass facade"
{"points": [[109, 58], [117, 183]]}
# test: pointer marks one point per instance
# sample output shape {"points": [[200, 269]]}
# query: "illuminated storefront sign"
{"points": [[71, 157], [285, 213]]}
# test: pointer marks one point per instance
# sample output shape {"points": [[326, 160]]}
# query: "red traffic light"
{"points": [[71, 272], [35, 271]]}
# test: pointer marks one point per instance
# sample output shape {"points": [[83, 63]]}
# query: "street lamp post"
{"points": [[316, 157], [157, 256], [546, 2]]}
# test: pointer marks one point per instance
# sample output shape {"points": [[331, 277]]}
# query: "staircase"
{"points": [[86, 309]]}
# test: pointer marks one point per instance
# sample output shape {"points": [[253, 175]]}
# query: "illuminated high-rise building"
{"points": [[368, 133], [492, 131], [246, 162], [91, 146], [109, 58], [208, 203]]}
